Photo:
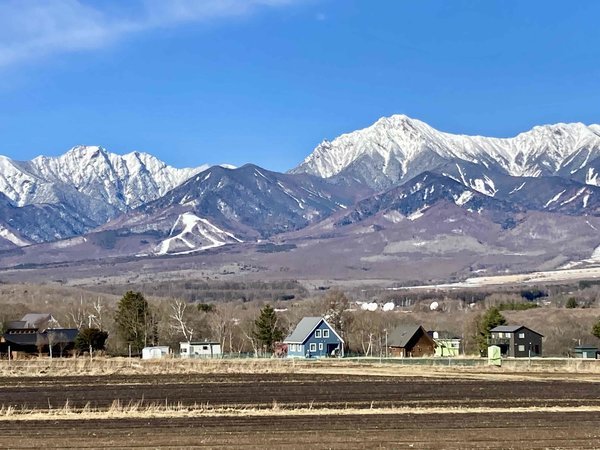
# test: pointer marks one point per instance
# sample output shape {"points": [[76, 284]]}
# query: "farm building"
{"points": [[586, 352], [410, 341], [516, 341], [446, 344], [204, 349], [313, 337], [36, 334], [158, 352]]}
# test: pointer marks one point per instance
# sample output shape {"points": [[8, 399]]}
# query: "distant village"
{"points": [[313, 337]]}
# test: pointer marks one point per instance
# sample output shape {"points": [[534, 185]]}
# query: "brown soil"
{"points": [[537, 430], [325, 429], [298, 390]]}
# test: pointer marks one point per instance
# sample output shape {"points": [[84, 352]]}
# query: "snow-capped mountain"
{"points": [[88, 183], [221, 206], [368, 187], [397, 148]]}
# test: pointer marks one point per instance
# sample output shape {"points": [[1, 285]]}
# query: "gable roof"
{"points": [[506, 328], [402, 334], [513, 329], [305, 328], [39, 320]]}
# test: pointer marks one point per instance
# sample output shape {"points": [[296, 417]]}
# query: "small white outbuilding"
{"points": [[200, 349], [159, 352]]}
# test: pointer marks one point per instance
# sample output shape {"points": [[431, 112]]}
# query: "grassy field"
{"points": [[46, 367]]}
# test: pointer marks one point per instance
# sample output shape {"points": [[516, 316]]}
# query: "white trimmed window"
{"points": [[318, 333], [521, 348], [320, 346], [325, 334], [313, 347], [521, 335]]}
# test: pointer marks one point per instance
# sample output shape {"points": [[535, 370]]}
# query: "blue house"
{"points": [[313, 337]]}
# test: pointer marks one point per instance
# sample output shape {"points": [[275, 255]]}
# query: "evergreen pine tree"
{"points": [[91, 337], [571, 303], [266, 330], [596, 329], [491, 319], [135, 323]]}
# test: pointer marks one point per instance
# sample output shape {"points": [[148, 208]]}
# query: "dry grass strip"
{"points": [[544, 369], [138, 410]]}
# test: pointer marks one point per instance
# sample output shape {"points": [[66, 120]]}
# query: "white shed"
{"points": [[200, 349], [155, 352]]}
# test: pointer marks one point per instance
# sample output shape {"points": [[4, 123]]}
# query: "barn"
{"points": [[37, 333], [410, 341]]}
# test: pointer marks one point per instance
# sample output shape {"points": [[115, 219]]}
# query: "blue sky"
{"points": [[264, 81]]}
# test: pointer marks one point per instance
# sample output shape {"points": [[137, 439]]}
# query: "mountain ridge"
{"points": [[401, 147], [88, 183], [398, 176]]}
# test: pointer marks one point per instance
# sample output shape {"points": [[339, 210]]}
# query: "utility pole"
{"points": [[386, 343]]}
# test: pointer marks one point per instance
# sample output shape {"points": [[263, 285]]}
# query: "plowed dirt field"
{"points": [[422, 412]]}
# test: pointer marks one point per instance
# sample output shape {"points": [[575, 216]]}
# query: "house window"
{"points": [[507, 335], [521, 348], [313, 347], [326, 333], [320, 346], [318, 333], [521, 335]]}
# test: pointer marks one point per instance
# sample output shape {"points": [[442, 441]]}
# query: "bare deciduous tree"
{"points": [[78, 314], [98, 308], [178, 319]]}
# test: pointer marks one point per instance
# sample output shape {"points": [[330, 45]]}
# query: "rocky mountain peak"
{"points": [[398, 147]]}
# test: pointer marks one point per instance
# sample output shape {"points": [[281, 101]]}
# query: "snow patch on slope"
{"points": [[463, 198], [191, 233], [554, 199], [5, 233]]}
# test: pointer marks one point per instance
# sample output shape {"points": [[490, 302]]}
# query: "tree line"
{"points": [[137, 320]]}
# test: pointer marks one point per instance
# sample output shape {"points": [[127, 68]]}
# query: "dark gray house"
{"points": [[516, 341], [37, 334], [313, 337]]}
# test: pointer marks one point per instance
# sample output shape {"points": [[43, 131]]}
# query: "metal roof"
{"points": [[507, 328], [39, 320], [59, 336], [401, 335], [513, 329], [305, 327]]}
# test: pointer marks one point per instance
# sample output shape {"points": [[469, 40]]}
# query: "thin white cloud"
{"points": [[35, 29]]}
